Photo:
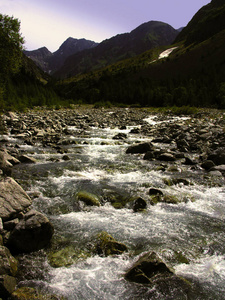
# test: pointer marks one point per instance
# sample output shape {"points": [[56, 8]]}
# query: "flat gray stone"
{"points": [[13, 199]]}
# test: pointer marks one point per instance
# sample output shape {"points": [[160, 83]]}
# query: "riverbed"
{"points": [[188, 236]]}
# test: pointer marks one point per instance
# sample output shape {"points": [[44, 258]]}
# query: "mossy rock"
{"points": [[59, 209], [155, 199], [170, 199], [66, 257], [28, 293], [106, 245], [116, 199], [88, 198], [181, 258], [148, 267]]}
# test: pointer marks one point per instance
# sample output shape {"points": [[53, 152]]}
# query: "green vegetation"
{"points": [[22, 84], [10, 50], [192, 76]]}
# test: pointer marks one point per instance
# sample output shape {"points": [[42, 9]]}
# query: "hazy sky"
{"points": [[50, 22]]}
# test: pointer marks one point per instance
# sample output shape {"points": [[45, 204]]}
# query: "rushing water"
{"points": [[98, 164]]}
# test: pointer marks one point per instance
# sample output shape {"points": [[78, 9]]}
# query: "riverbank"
{"points": [[45, 145]]}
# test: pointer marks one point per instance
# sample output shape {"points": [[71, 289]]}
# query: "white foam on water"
{"points": [[153, 120], [96, 278], [206, 269]]}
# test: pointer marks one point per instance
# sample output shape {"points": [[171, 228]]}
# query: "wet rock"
{"points": [[120, 136], [1, 225], [32, 233], [5, 165], [149, 155], [154, 191], [139, 205], [29, 293], [135, 130], [220, 168], [189, 161], [26, 159], [140, 148], [7, 286], [148, 268], [88, 198], [207, 165], [66, 157], [169, 199], [8, 264], [166, 157], [181, 181], [11, 224], [13, 199], [106, 245], [66, 257], [218, 157]]}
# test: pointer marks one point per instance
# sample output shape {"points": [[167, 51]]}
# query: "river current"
{"points": [[98, 164]]}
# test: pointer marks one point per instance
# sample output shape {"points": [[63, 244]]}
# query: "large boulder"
{"points": [[151, 270], [140, 148], [148, 267], [13, 199], [32, 233]]}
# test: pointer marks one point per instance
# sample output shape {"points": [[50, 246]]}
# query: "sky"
{"points": [[50, 22]]}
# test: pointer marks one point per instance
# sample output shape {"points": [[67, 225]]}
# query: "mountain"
{"points": [[193, 74], [50, 62], [122, 46], [208, 21], [40, 57]]}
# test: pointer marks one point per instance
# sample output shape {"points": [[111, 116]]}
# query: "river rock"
{"points": [[120, 136], [88, 198], [220, 168], [166, 157], [27, 159], [5, 165], [140, 148], [1, 225], [218, 157], [139, 204], [66, 257], [207, 165], [29, 293], [13, 199], [154, 191], [106, 245], [7, 286], [149, 155], [189, 161], [147, 268], [8, 264], [32, 233]]}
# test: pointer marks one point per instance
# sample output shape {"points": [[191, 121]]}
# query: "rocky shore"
{"points": [[195, 142]]}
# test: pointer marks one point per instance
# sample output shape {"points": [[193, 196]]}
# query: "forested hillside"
{"points": [[193, 74], [22, 83]]}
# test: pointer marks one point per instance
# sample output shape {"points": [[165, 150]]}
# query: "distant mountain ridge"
{"points": [[122, 46], [50, 62], [192, 75]]}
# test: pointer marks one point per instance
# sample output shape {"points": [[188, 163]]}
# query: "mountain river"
{"points": [[188, 236]]}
